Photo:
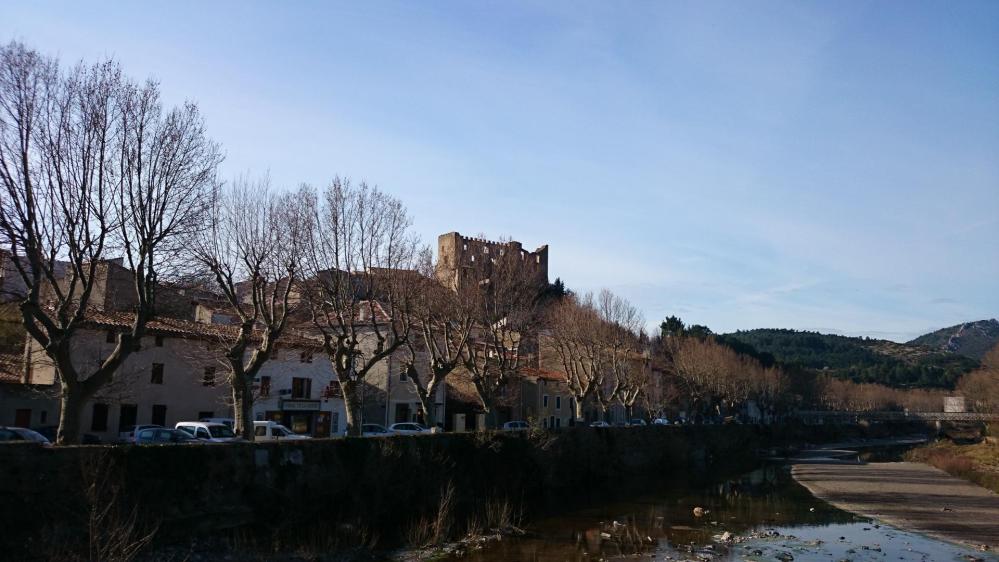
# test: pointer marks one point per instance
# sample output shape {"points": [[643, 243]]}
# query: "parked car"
{"points": [[51, 431], [660, 421], [637, 421], [273, 431], [516, 426], [22, 434], [407, 428], [211, 432], [128, 436], [599, 424], [224, 421], [163, 436], [374, 430]]}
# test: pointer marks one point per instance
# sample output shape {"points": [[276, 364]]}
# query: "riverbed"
{"points": [[762, 515]]}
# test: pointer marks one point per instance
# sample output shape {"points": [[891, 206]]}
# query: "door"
{"points": [[22, 417], [322, 428], [127, 415]]}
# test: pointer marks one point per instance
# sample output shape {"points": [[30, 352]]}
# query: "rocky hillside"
{"points": [[971, 339], [861, 359]]}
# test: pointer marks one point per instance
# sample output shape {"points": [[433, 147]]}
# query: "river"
{"points": [[762, 515]]}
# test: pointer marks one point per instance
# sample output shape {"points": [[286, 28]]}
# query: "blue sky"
{"points": [[828, 166]]}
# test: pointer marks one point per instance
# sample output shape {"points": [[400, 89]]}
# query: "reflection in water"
{"points": [[763, 515]]}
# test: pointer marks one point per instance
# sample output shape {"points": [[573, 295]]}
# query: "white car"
{"points": [[660, 421], [210, 432], [273, 431], [407, 428], [516, 426], [224, 421], [600, 424]]}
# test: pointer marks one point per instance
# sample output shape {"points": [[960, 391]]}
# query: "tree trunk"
{"points": [[352, 403], [242, 405], [70, 411], [629, 412], [580, 417]]}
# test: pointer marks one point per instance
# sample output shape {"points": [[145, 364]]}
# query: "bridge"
{"points": [[818, 415]]}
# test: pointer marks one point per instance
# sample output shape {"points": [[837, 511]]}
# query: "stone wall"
{"points": [[354, 489]]}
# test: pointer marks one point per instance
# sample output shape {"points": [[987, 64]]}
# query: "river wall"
{"points": [[367, 491]]}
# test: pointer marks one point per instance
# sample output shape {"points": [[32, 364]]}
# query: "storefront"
{"points": [[305, 417]]}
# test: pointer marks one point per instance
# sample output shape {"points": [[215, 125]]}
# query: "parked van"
{"points": [[273, 431], [211, 432], [224, 421]]}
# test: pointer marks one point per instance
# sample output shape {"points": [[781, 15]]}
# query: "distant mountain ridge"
{"points": [[860, 359], [970, 339]]}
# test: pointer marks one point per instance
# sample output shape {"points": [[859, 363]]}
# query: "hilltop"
{"points": [[970, 339], [862, 360]]}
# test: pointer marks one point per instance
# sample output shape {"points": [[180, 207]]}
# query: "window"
{"points": [[336, 423], [485, 249], [159, 341], [276, 353], [159, 414], [537, 259], [111, 337], [403, 377], [306, 357], [157, 374], [558, 402], [545, 401], [265, 386], [260, 431], [202, 433], [99, 421], [209, 378], [558, 423], [205, 415], [473, 258], [45, 416], [301, 388], [464, 247], [551, 423]]}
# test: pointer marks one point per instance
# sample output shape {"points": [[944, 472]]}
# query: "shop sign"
{"points": [[300, 405]]}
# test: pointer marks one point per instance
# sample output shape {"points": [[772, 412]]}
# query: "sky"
{"points": [[827, 166]]}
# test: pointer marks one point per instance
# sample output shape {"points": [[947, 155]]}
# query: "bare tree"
{"points": [[252, 245], [91, 165], [359, 256], [574, 328], [505, 314], [444, 324]]}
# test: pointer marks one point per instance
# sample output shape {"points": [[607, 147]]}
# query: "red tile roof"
{"points": [[189, 329]]}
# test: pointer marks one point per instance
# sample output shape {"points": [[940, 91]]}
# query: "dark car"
{"points": [[22, 434], [163, 436], [50, 431]]}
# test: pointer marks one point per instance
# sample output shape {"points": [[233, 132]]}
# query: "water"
{"points": [[766, 515]]}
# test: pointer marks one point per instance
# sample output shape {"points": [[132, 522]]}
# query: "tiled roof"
{"points": [[461, 388], [543, 374], [189, 329]]}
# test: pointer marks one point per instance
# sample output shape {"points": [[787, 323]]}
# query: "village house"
{"points": [[178, 374]]}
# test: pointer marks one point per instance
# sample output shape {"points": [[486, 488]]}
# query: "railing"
{"points": [[897, 416]]}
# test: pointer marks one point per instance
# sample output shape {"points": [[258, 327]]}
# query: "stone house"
{"points": [[178, 374]]}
